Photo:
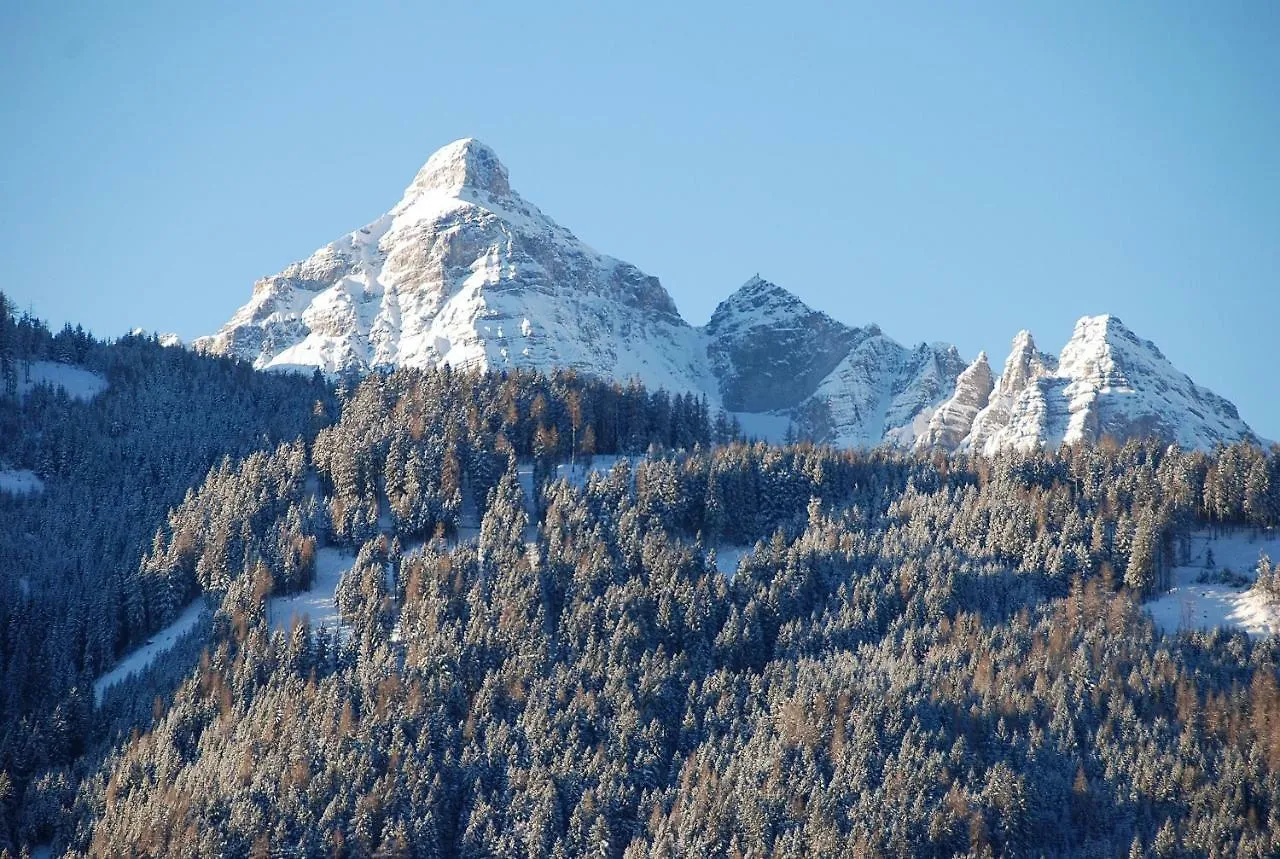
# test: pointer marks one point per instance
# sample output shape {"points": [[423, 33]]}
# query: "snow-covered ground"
{"points": [[578, 473], [763, 426], [316, 603], [20, 481], [729, 557], [141, 657], [80, 384], [1188, 605]]}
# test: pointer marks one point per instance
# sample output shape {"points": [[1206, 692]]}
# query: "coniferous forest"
{"points": [[540, 649]]}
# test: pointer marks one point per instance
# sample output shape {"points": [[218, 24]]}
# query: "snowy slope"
{"points": [[142, 656], [1106, 382], [884, 392], [317, 604], [77, 382], [464, 271], [1193, 605], [20, 481]]}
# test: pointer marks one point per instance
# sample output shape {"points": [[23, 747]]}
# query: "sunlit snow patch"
{"points": [[1191, 605], [317, 603], [729, 558]]}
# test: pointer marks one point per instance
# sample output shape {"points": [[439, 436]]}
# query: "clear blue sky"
{"points": [[950, 171]]}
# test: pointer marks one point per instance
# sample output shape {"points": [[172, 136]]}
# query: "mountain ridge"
{"points": [[463, 271]]}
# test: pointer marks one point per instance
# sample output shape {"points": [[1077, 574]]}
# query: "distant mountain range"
{"points": [[464, 271]]}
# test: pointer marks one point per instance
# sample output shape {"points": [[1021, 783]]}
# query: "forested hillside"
{"points": [[917, 655]]}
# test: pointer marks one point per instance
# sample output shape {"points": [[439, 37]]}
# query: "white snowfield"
{"points": [[141, 657], [20, 481], [316, 604], [79, 383], [1188, 605]]}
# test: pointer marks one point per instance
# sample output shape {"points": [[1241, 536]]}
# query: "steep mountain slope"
{"points": [[851, 386], [769, 350], [953, 420], [464, 271], [883, 391], [1107, 382]]}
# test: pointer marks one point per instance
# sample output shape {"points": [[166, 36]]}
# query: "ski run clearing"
{"points": [[317, 604], [78, 383], [140, 658], [20, 481], [1190, 605]]}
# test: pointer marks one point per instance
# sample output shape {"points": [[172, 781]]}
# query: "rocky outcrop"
{"points": [[1107, 382], [953, 420]]}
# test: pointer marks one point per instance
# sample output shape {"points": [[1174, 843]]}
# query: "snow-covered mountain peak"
{"points": [[1106, 382], [759, 302], [1104, 353], [769, 349], [953, 419], [1105, 337], [465, 163], [1024, 364], [463, 271]]}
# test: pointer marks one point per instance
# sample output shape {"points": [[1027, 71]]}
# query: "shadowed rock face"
{"points": [[770, 351], [855, 386]]}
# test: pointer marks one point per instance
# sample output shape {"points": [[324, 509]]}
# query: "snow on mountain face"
{"points": [[852, 386], [769, 350], [881, 392], [953, 420], [1107, 382], [1024, 366], [464, 271]]}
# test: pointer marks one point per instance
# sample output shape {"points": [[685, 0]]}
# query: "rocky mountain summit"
{"points": [[464, 271], [1106, 382]]}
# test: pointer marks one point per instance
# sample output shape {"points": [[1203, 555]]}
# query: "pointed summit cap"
{"points": [[465, 163]]}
